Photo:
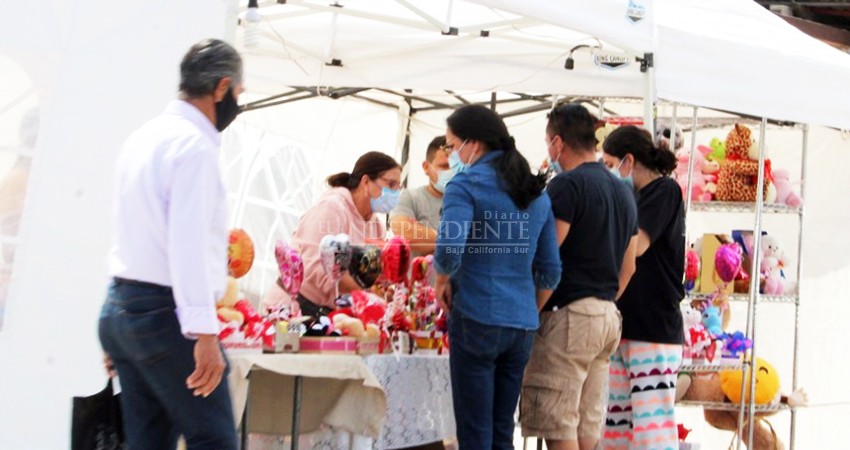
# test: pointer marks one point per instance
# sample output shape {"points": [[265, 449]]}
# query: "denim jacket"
{"points": [[496, 254]]}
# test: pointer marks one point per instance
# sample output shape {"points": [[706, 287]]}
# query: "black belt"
{"points": [[119, 280], [308, 308]]}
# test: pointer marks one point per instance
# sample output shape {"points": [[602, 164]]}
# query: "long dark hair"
{"points": [[630, 139], [476, 122], [372, 164]]}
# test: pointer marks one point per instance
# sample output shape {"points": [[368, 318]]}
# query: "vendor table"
{"points": [[419, 399], [383, 401]]}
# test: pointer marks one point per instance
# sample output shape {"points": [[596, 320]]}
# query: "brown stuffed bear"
{"points": [[725, 387], [738, 175]]}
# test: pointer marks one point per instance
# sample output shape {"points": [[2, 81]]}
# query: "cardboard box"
{"points": [[328, 344], [237, 344], [369, 345]]}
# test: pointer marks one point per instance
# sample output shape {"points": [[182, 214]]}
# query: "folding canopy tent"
{"points": [[101, 68], [730, 55]]}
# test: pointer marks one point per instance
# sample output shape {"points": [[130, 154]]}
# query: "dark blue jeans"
{"points": [[487, 364], [139, 330]]}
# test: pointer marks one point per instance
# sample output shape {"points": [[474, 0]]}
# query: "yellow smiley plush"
{"points": [[767, 383]]}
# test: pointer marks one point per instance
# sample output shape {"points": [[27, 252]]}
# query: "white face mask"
{"points": [[443, 178]]}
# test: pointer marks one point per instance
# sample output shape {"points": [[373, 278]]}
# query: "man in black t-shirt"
{"points": [[580, 326]]}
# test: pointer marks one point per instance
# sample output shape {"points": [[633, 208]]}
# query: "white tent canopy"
{"points": [[730, 55], [100, 68]]}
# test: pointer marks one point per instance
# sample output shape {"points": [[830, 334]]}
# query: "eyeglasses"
{"points": [[392, 184], [450, 147]]}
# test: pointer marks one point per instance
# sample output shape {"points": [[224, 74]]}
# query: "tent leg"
{"points": [[649, 94]]}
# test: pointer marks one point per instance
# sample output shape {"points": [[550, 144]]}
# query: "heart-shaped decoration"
{"points": [[422, 269], [395, 258], [727, 261], [240, 253], [335, 254], [365, 266], [291, 267]]}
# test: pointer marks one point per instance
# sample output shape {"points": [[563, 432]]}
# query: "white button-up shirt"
{"points": [[170, 216]]}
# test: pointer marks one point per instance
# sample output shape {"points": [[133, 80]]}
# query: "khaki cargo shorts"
{"points": [[565, 379]]}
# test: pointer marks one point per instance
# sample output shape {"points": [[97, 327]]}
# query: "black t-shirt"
{"points": [[601, 211], [650, 303]]}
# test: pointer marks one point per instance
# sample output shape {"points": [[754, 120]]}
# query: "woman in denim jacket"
{"points": [[497, 262]]}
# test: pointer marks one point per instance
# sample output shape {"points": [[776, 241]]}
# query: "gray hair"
{"points": [[205, 64]]}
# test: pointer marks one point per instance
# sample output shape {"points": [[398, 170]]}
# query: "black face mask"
{"points": [[226, 111]]}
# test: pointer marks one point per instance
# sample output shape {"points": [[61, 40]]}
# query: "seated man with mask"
{"points": [[417, 215]]}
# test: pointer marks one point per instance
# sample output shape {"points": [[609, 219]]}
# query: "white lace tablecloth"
{"points": [[419, 408], [419, 399]]}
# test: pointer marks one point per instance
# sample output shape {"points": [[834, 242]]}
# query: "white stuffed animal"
{"points": [[772, 262]]}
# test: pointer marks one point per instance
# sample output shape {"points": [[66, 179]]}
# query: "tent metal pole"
{"points": [[280, 102], [498, 102], [260, 102], [405, 148], [419, 99], [372, 100], [649, 93], [493, 101], [673, 119], [691, 169], [754, 287], [796, 365], [459, 97], [440, 26]]}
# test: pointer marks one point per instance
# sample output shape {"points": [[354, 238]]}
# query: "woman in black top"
{"points": [[643, 370]]}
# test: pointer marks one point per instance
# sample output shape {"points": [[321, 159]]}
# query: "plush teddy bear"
{"points": [[772, 261], [664, 134], [697, 339], [700, 189], [711, 320], [718, 150], [737, 179], [725, 387], [785, 194], [602, 131]]}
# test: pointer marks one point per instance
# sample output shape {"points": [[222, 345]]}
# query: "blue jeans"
{"points": [[139, 329], [487, 364]]}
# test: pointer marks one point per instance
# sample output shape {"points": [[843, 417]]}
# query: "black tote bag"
{"points": [[96, 422]]}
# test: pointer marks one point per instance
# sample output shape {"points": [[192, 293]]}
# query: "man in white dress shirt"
{"points": [[168, 262]]}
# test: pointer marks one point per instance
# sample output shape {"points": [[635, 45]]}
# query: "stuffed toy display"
{"points": [[704, 174], [602, 132], [725, 387], [664, 134], [785, 194], [718, 151], [772, 262], [738, 175]]}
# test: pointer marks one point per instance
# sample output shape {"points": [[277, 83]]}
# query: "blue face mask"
{"points": [[386, 202], [555, 165], [628, 179], [455, 163], [443, 178]]}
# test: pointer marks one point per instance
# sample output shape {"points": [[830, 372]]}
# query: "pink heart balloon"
{"points": [[291, 268], [727, 261]]}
